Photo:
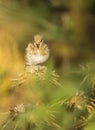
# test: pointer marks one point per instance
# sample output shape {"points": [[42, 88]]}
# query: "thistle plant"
{"points": [[33, 108], [40, 102], [82, 104]]}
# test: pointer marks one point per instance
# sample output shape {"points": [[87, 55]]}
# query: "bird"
{"points": [[37, 52]]}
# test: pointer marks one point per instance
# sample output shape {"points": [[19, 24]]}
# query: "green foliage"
{"points": [[61, 94]]}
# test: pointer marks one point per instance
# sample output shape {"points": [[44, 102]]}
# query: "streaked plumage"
{"points": [[36, 52]]}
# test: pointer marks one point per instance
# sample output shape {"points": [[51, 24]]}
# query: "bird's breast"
{"points": [[38, 58]]}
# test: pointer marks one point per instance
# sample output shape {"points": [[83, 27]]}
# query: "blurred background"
{"points": [[67, 27]]}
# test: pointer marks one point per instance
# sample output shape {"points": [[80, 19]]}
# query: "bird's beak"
{"points": [[37, 45]]}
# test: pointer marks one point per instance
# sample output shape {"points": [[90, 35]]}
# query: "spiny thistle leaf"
{"points": [[40, 72]]}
